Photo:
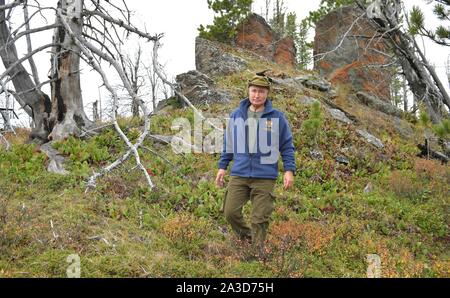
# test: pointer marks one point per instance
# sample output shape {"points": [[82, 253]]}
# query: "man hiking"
{"points": [[255, 137]]}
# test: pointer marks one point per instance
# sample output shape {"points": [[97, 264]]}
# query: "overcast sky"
{"points": [[179, 20]]}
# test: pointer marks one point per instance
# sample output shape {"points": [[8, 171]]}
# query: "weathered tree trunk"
{"points": [[405, 95], [35, 103], [386, 14], [134, 103], [95, 115], [67, 113], [418, 79], [6, 120], [131, 71]]}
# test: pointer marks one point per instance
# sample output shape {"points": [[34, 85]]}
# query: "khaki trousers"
{"points": [[260, 193]]}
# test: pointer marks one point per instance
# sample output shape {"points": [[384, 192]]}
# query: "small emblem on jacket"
{"points": [[269, 124]]}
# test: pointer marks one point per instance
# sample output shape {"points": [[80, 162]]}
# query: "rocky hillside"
{"points": [[360, 189]]}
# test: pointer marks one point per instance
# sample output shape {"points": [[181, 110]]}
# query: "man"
{"points": [[256, 134]]}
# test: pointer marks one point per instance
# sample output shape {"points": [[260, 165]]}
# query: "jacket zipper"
{"points": [[248, 144]]}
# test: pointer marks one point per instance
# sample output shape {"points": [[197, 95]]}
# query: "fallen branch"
{"points": [[95, 130], [426, 151], [56, 164], [91, 181]]}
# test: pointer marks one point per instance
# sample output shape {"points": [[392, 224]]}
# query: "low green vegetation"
{"points": [[384, 201]]}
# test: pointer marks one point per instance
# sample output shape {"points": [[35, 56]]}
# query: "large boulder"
{"points": [[370, 138], [255, 34], [200, 88], [212, 60], [314, 82], [339, 115], [308, 81], [345, 52], [382, 106]]}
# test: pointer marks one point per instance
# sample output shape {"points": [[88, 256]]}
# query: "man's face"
{"points": [[258, 95]]}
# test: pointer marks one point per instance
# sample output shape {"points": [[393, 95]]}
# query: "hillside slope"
{"points": [[356, 200]]}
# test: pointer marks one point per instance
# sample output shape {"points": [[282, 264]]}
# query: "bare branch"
{"points": [[11, 5], [37, 87], [19, 61], [30, 48], [185, 99], [122, 24], [27, 32]]}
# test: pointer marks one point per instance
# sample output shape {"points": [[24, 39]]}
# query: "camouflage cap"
{"points": [[261, 81]]}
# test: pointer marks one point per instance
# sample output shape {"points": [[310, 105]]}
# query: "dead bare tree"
{"points": [[92, 31], [35, 102], [144, 80], [155, 87], [68, 116], [5, 112], [131, 69], [61, 114], [89, 50], [88, 30]]}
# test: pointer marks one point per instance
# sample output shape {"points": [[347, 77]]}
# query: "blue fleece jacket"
{"points": [[274, 138]]}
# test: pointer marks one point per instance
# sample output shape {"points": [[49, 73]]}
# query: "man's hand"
{"points": [[219, 177], [288, 179]]}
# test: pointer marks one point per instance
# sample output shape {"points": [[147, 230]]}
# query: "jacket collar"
{"points": [[245, 103]]}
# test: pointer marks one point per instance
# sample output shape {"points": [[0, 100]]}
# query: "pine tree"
{"points": [[229, 13], [441, 34], [291, 25], [279, 15], [304, 48], [312, 126]]}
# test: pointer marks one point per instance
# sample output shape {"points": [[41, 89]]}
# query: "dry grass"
{"points": [[429, 168], [395, 261], [315, 235], [404, 185]]}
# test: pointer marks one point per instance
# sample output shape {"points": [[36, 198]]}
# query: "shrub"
{"points": [[312, 126]]}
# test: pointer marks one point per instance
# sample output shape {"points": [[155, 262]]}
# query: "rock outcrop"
{"points": [[308, 81], [200, 88], [212, 60], [255, 34], [345, 52]]}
